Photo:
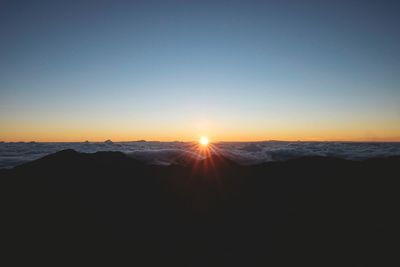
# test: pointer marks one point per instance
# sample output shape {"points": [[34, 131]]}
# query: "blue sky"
{"points": [[174, 70]]}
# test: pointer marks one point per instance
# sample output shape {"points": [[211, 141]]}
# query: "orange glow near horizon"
{"points": [[223, 138], [203, 141], [218, 131]]}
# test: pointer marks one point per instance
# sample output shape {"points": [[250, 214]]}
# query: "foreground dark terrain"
{"points": [[74, 208]]}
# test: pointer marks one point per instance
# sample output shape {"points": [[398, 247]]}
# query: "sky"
{"points": [[178, 70]]}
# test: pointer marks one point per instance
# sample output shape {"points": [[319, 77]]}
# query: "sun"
{"points": [[203, 141]]}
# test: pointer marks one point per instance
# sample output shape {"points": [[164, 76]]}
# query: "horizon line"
{"points": [[388, 140]]}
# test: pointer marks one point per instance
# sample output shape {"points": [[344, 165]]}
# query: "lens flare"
{"points": [[203, 141]]}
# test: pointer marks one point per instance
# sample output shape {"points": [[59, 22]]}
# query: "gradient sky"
{"points": [[175, 70]]}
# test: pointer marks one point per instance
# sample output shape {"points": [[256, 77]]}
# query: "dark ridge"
{"points": [[106, 207], [215, 161], [70, 157]]}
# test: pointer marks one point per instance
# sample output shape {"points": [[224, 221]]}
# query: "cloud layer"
{"points": [[164, 153]]}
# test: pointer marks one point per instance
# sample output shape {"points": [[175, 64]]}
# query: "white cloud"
{"points": [[12, 154]]}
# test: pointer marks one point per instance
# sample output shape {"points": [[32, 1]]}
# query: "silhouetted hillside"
{"points": [[76, 208]]}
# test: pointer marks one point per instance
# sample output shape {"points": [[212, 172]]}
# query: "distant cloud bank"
{"points": [[164, 153]]}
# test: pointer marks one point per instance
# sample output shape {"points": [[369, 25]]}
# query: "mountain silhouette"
{"points": [[106, 207]]}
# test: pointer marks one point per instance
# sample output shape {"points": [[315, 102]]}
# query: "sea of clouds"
{"points": [[164, 153]]}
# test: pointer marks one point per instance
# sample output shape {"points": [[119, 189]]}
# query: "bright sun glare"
{"points": [[203, 141]]}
